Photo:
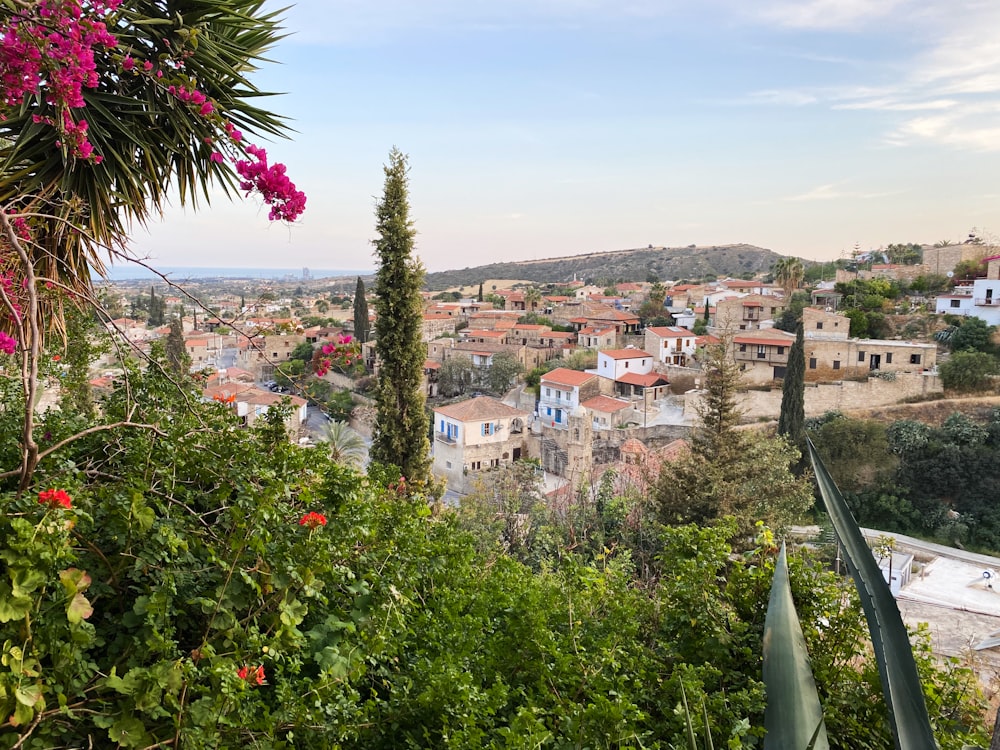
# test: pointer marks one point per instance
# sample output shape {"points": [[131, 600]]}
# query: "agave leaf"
{"points": [[692, 744], [793, 716], [904, 697]]}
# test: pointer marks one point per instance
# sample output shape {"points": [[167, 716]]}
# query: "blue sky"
{"points": [[541, 128]]}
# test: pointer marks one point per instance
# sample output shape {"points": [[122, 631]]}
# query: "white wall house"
{"points": [[561, 391], [615, 363], [981, 301]]}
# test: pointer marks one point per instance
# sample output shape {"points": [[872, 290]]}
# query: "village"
{"points": [[584, 386]]}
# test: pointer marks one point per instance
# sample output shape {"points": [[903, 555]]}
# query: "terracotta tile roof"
{"points": [[646, 381], [669, 332], [625, 353], [770, 338], [566, 376], [470, 333], [478, 409], [619, 315], [605, 404]]}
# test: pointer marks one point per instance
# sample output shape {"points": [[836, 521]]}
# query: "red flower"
{"points": [[52, 498], [251, 675], [312, 519]]}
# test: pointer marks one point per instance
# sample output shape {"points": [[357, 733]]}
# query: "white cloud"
{"points": [[821, 193], [890, 105], [826, 14], [783, 97], [833, 192]]}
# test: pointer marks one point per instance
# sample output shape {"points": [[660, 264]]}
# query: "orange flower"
{"points": [[312, 520], [54, 498], [251, 675]]}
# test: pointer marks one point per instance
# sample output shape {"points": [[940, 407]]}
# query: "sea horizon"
{"points": [[131, 272]]}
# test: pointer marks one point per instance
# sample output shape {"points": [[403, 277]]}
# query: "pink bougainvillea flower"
{"points": [[54, 498], [8, 345], [312, 519]]}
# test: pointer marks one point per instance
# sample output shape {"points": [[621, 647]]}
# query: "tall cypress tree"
{"points": [[791, 422], [480, 291], [178, 360], [360, 313], [401, 424]]}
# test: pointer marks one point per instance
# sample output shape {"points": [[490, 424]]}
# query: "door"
{"points": [[875, 362]]}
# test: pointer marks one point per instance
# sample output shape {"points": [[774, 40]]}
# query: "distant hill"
{"points": [[663, 263]]}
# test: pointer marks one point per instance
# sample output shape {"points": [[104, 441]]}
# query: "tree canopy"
{"points": [[401, 425]]}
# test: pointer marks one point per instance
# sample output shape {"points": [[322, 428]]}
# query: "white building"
{"points": [[981, 300], [561, 391], [616, 363]]}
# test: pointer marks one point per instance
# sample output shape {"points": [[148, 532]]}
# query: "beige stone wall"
{"points": [[823, 397], [940, 260], [817, 322]]}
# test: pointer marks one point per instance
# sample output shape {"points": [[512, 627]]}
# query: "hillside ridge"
{"points": [[633, 264]]}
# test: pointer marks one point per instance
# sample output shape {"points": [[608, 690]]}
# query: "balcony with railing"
{"points": [[988, 301], [445, 438]]}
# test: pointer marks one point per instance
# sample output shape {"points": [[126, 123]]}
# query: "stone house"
{"points": [[763, 356], [818, 323], [607, 412], [749, 312], [671, 345], [477, 435], [437, 324], [197, 351], [593, 337], [250, 403], [261, 354]]}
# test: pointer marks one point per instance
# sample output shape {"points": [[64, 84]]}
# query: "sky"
{"points": [[546, 128]]}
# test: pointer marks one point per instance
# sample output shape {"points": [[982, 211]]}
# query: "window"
{"points": [[476, 465], [956, 303], [819, 325], [761, 351], [548, 391], [861, 356], [743, 347], [494, 463], [487, 429], [836, 364], [888, 358], [781, 350], [447, 464], [812, 363], [914, 359]]}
